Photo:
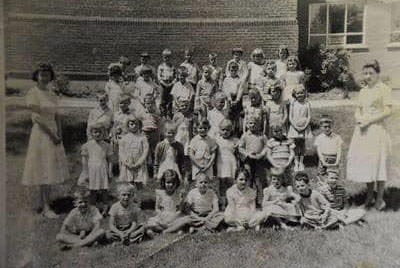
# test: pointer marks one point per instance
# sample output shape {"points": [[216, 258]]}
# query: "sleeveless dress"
{"points": [[45, 163], [226, 159], [369, 150]]}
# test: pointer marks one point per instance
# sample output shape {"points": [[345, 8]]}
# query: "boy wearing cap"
{"points": [[144, 61], [329, 147], [166, 74]]}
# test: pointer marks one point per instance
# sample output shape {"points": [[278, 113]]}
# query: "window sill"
{"points": [[353, 48], [393, 46]]}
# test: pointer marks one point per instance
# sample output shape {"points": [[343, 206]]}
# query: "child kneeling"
{"points": [[82, 225], [123, 218], [202, 203]]}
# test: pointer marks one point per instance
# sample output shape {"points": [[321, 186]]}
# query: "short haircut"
{"points": [[374, 64], [125, 187], [169, 173], [81, 193], [325, 119], [302, 176], [43, 67], [115, 70]]}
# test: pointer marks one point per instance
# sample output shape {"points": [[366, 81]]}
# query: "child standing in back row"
{"points": [[192, 68], [256, 68], [101, 114], [166, 74], [293, 77], [299, 130]]}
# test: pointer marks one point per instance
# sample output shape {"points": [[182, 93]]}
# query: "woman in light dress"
{"points": [[46, 163], [370, 145]]}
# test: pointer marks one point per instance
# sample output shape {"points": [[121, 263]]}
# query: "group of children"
{"points": [[227, 149]]}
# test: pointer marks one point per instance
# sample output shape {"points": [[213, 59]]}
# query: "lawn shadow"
{"points": [[391, 197]]}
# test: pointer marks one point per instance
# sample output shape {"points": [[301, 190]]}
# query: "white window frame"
{"points": [[393, 44], [345, 33]]}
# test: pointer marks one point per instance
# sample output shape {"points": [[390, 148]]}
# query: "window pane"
{"points": [[355, 14], [317, 40], [336, 18], [395, 16], [318, 19], [395, 37], [334, 40], [354, 39]]}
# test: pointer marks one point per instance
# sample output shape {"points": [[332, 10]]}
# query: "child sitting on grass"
{"points": [[241, 206], [316, 211], [279, 202], [82, 225], [123, 222], [202, 203], [168, 204]]}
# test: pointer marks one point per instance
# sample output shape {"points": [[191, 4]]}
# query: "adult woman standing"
{"points": [[370, 145], [46, 162]]}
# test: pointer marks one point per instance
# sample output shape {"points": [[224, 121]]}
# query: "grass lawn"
{"points": [[31, 236]]}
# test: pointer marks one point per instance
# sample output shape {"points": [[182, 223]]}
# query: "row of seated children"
{"points": [[199, 210]]}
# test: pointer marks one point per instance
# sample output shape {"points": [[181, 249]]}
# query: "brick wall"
{"points": [[157, 8], [79, 44]]}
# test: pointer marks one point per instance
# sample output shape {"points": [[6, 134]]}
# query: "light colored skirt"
{"points": [[368, 154], [46, 163]]}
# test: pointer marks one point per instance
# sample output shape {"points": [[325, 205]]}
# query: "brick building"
{"points": [[80, 37], [369, 29], [84, 36]]}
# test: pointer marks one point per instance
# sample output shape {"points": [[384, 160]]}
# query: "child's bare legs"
{"points": [[370, 194], [179, 224], [380, 203], [224, 185], [74, 240], [299, 154], [45, 202]]}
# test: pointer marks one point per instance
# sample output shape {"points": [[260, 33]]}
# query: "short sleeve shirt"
{"points": [[201, 203], [76, 222], [124, 216], [328, 145]]}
